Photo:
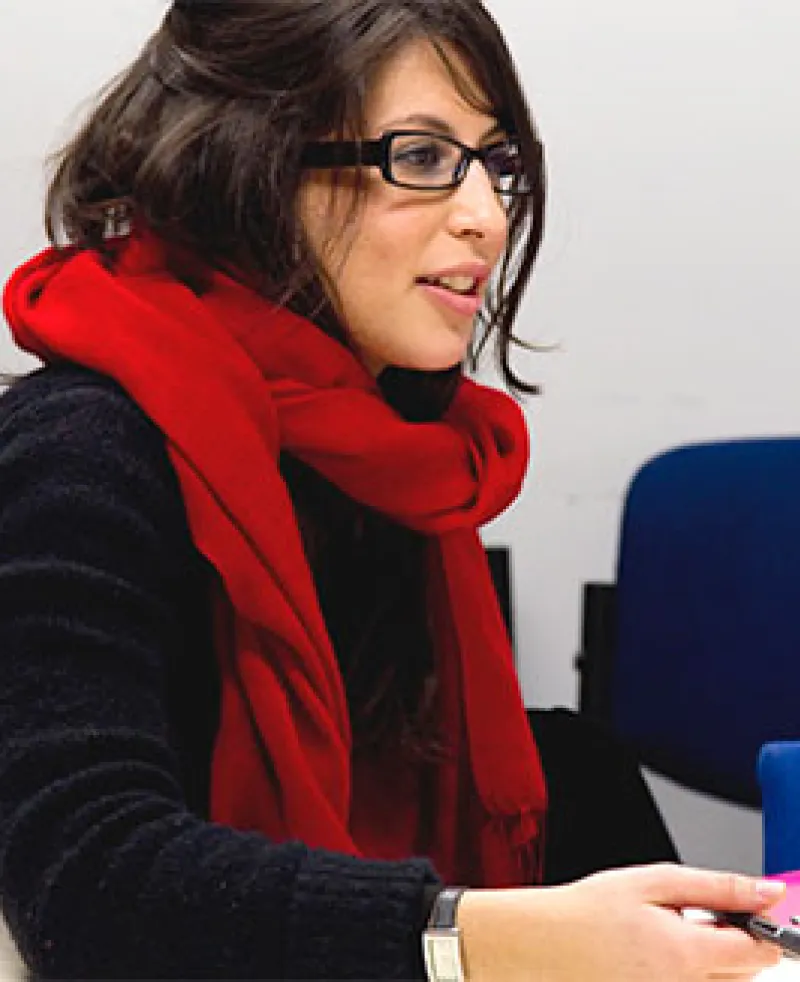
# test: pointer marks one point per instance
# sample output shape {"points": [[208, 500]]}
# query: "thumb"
{"points": [[685, 886]]}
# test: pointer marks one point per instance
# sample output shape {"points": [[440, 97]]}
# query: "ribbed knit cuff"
{"points": [[357, 919]]}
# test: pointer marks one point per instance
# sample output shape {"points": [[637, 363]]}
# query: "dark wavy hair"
{"points": [[202, 137]]}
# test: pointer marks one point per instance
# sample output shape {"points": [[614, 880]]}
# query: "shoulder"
{"points": [[65, 394], [76, 449], [82, 421]]}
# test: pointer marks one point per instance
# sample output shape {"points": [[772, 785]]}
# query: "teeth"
{"points": [[458, 284]]}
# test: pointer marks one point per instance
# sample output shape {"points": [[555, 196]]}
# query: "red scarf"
{"points": [[231, 381]]}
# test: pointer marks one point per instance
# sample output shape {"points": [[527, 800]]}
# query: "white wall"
{"points": [[55, 56], [668, 273]]}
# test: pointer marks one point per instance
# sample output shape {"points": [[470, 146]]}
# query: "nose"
{"points": [[477, 210]]}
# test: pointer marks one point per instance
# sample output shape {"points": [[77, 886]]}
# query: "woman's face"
{"points": [[410, 277]]}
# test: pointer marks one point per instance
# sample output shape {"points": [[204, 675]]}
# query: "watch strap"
{"points": [[443, 911]]}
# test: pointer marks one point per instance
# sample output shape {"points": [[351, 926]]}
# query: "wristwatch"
{"points": [[441, 939]]}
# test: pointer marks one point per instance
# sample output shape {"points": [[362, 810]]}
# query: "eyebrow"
{"points": [[437, 124]]}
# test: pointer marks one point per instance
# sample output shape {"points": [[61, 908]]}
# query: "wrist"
{"points": [[507, 933]]}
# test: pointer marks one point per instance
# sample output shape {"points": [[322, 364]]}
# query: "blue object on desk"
{"points": [[779, 775], [693, 654]]}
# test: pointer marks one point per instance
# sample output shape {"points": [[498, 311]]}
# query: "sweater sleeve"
{"points": [[105, 871]]}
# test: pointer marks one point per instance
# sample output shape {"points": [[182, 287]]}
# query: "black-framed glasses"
{"points": [[423, 161]]}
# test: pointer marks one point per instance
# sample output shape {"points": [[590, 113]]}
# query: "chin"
{"points": [[434, 359]]}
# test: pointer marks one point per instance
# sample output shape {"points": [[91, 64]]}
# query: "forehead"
{"points": [[418, 81]]}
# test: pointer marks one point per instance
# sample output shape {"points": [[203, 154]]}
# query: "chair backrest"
{"points": [[707, 611]]}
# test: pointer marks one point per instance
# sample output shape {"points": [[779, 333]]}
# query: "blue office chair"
{"points": [[691, 655]]}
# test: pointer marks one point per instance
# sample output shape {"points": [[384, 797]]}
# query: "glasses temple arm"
{"points": [[342, 154]]}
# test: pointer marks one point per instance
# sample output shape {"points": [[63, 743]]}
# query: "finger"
{"points": [[735, 975], [686, 886]]}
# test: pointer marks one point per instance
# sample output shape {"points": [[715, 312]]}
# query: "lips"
{"points": [[464, 280], [463, 304]]}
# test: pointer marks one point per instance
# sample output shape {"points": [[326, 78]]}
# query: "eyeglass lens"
{"points": [[429, 161]]}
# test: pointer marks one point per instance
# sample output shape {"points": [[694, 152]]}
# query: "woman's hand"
{"points": [[616, 926]]}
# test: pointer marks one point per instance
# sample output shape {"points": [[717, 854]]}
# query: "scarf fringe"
{"points": [[521, 838]]}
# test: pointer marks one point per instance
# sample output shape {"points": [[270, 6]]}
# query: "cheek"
{"points": [[377, 274], [372, 265], [390, 247]]}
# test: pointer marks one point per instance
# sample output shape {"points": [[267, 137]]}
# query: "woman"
{"points": [[258, 707]]}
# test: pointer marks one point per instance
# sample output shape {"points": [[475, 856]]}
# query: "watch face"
{"points": [[442, 952]]}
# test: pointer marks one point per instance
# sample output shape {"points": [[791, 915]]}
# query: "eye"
{"points": [[419, 156], [422, 156]]}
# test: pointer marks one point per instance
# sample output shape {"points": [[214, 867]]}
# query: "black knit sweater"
{"points": [[109, 867]]}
